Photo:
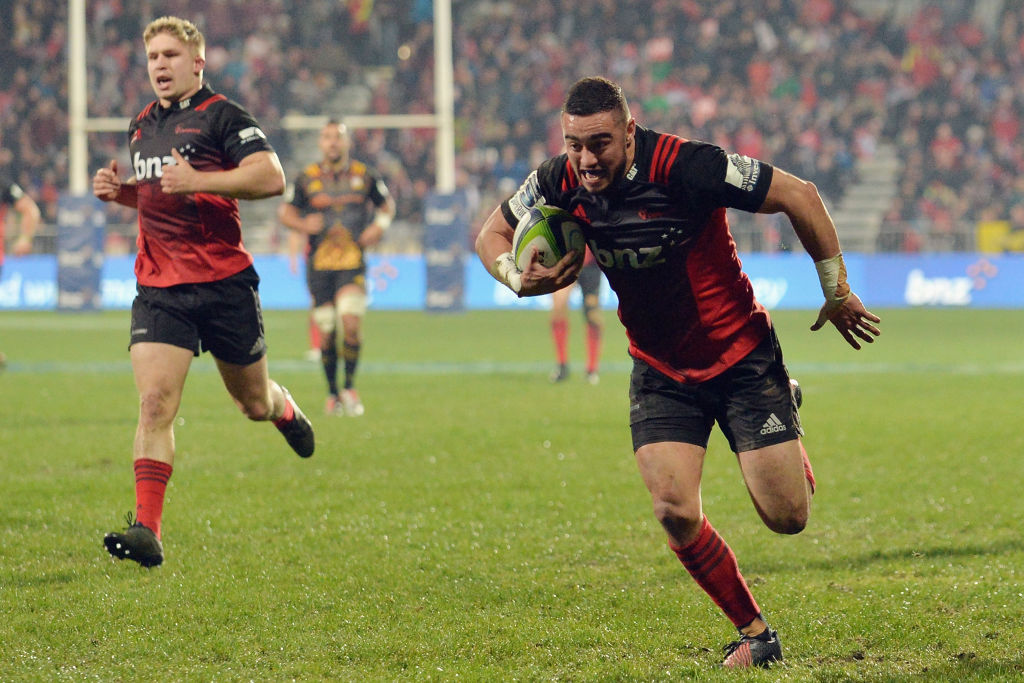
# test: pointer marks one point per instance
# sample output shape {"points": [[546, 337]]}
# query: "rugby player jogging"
{"points": [[194, 155]]}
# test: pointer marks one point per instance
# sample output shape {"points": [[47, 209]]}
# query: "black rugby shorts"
{"points": [[324, 285], [222, 317], [751, 402]]}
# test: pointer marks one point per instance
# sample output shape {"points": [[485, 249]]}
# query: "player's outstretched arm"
{"points": [[800, 201]]}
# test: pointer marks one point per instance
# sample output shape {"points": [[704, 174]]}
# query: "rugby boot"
{"points": [[760, 650], [298, 431], [138, 542]]}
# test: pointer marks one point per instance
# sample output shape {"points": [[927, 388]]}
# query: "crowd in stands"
{"points": [[812, 86]]}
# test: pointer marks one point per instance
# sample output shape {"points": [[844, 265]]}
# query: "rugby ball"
{"points": [[550, 232]]}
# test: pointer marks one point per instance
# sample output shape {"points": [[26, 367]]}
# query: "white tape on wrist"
{"points": [[508, 272], [832, 275], [383, 220]]}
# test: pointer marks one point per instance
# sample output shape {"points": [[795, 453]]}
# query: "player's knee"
{"points": [[790, 521], [352, 303], [680, 520], [156, 408], [325, 319]]}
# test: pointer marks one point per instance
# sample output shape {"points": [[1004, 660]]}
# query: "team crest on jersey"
{"points": [[741, 171]]}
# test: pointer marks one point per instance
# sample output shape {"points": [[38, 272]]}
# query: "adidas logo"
{"points": [[772, 425], [261, 345]]}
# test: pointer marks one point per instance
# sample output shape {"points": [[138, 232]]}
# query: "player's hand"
{"points": [[106, 184], [371, 236], [179, 177], [539, 280], [22, 246], [314, 223], [851, 319]]}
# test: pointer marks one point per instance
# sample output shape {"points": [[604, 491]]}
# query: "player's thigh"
{"points": [[560, 302], [670, 429], [590, 281], [160, 370], [775, 479], [672, 471], [249, 385], [775, 475]]}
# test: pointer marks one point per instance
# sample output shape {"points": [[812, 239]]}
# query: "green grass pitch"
{"points": [[481, 524]]}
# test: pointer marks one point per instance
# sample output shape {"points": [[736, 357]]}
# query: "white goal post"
{"points": [[443, 120]]}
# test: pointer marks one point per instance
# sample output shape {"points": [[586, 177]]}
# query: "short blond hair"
{"points": [[182, 29]]}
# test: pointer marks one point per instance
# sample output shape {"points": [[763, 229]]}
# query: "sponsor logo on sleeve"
{"points": [[741, 171], [250, 134], [527, 196]]}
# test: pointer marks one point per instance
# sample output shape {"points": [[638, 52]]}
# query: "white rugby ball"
{"points": [[549, 231]]}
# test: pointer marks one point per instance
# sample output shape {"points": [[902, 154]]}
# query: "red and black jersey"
{"points": [[196, 237], [347, 199], [661, 237]]}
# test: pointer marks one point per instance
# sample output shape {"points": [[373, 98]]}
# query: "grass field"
{"points": [[481, 524]]}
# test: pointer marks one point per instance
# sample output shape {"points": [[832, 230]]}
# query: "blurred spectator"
{"points": [[815, 85]]}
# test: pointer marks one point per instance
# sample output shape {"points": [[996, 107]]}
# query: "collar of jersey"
{"points": [[204, 93]]}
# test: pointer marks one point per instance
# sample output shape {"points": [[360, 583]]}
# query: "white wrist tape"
{"points": [[383, 220], [832, 274], [508, 272]]}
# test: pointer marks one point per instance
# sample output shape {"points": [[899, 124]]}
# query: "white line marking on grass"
{"points": [[484, 367]]}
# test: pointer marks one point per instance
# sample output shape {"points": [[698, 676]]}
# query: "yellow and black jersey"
{"points": [[347, 198]]}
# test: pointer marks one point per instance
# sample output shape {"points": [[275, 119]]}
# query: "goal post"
{"points": [[80, 124]]}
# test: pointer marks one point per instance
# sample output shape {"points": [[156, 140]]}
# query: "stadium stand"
{"points": [[906, 115]]}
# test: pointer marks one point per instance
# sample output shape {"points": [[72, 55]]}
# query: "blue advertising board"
{"points": [[81, 228], [445, 247], [786, 281]]}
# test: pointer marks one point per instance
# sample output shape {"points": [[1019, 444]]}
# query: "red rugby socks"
{"points": [[713, 566], [560, 333], [593, 347], [151, 478], [808, 472]]}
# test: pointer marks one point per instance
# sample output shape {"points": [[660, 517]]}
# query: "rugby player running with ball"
{"points": [[704, 349]]}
